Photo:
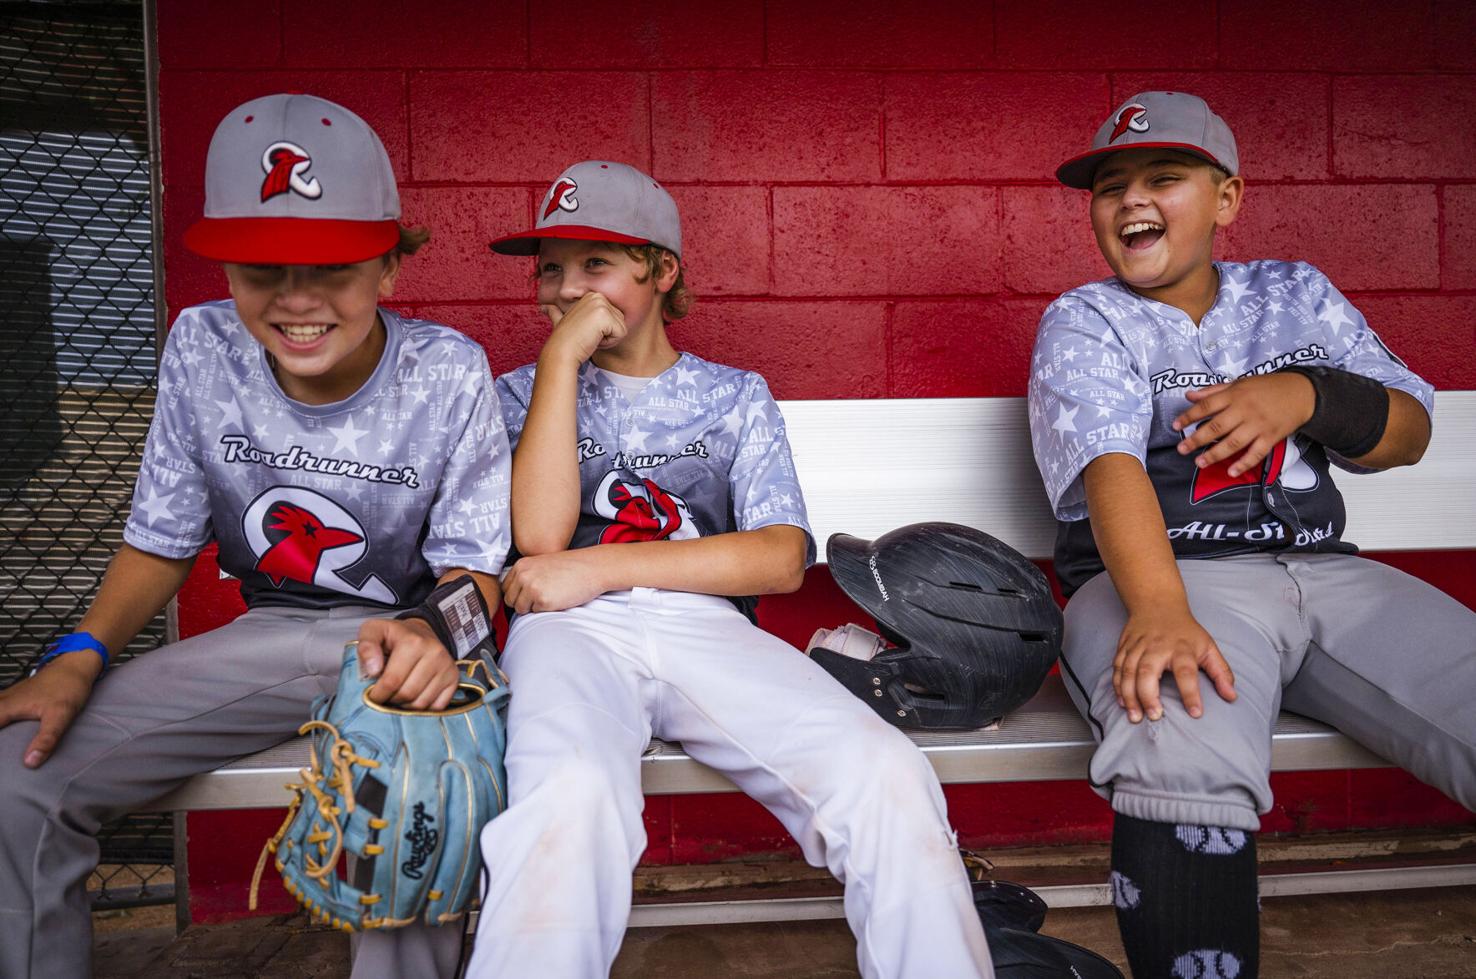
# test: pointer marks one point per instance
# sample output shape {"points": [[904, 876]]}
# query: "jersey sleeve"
{"points": [[1086, 399], [170, 516], [469, 518], [1353, 346], [766, 490], [513, 395]]}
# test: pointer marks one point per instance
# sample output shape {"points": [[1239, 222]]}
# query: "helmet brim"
{"points": [[848, 558]]}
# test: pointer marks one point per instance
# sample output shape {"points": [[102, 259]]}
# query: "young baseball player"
{"points": [[1184, 414], [653, 493], [344, 458]]}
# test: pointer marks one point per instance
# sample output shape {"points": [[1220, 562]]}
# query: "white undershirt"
{"points": [[629, 386]]}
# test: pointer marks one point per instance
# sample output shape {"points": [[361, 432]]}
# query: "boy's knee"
{"points": [[577, 789], [897, 759], [577, 775], [879, 767], [26, 789], [571, 811], [31, 803], [1212, 770]]}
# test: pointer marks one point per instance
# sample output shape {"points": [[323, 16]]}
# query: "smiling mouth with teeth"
{"points": [[303, 332], [1141, 234]]}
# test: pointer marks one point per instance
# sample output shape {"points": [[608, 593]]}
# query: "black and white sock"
{"points": [[1186, 900]]}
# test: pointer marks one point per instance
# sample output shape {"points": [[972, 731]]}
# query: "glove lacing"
{"points": [[341, 759]]}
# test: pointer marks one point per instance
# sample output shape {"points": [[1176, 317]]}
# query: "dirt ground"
{"points": [[1425, 934]]}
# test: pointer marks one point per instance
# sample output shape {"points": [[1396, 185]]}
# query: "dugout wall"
{"points": [[867, 194]]}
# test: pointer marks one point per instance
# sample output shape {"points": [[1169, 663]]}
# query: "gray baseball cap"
{"points": [[1166, 120], [296, 180], [598, 200]]}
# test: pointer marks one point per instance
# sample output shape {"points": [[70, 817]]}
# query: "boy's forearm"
{"points": [[545, 469], [135, 588], [1406, 435], [487, 584], [767, 561], [1127, 523]]}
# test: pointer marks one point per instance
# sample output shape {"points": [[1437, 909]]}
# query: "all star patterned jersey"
{"points": [[701, 450], [1110, 373], [364, 501]]}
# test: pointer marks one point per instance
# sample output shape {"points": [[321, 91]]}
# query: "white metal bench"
{"points": [[870, 466]]}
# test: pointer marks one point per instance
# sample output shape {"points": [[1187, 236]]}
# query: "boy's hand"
{"points": [[414, 669], [1160, 642], [552, 582], [590, 324], [1249, 416], [54, 696]]}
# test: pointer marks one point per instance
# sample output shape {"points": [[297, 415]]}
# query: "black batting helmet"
{"points": [[974, 623]]}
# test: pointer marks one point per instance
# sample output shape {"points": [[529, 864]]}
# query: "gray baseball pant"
{"points": [[1382, 656], [151, 724]]}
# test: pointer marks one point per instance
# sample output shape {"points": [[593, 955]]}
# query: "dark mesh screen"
{"points": [[77, 343]]}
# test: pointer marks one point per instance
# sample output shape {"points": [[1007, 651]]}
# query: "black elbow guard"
{"points": [[1351, 411]]}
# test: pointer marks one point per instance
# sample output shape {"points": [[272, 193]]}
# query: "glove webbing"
{"points": [[341, 758]]}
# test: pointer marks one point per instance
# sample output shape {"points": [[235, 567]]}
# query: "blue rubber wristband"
{"points": [[70, 644]]}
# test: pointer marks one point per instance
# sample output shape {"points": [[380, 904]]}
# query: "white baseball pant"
{"points": [[592, 684]]}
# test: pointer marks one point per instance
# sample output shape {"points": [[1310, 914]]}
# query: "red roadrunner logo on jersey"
{"points": [[303, 536], [1283, 463], [285, 164], [296, 555], [641, 511], [1133, 116], [561, 197]]}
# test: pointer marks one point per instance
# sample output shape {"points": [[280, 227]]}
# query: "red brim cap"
{"points": [[1079, 170], [291, 241], [526, 242]]}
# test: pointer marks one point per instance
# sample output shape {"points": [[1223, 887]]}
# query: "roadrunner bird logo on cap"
{"points": [[562, 196], [1133, 116], [285, 164]]}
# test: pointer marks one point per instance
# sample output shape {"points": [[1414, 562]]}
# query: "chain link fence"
{"points": [[78, 342]]}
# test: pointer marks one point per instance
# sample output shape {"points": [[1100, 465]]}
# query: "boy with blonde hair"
{"points": [[653, 495]]}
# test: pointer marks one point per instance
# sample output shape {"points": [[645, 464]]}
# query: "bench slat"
{"points": [[1045, 739]]}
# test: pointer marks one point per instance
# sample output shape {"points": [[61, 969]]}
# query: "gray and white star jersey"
{"points": [[700, 450], [1110, 373], [366, 500]]}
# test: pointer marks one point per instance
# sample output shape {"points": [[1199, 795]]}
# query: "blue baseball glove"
{"points": [[398, 796]]}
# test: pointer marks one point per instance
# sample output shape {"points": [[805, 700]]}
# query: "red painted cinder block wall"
{"points": [[870, 212]]}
